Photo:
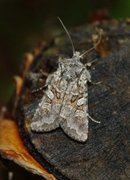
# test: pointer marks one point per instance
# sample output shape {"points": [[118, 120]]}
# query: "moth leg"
{"points": [[96, 83], [89, 64], [93, 119], [39, 89]]}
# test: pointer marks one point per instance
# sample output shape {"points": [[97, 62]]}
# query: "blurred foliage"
{"points": [[23, 23]]}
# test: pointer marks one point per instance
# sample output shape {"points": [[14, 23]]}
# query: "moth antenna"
{"points": [[99, 40], [67, 32]]}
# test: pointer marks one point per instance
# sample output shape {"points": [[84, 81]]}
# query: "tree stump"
{"points": [[106, 153]]}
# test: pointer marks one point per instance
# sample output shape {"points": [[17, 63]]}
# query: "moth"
{"points": [[65, 101]]}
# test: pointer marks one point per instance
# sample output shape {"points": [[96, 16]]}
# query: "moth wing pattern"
{"points": [[65, 102], [46, 117], [73, 115]]}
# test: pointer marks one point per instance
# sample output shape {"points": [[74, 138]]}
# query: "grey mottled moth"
{"points": [[65, 102]]}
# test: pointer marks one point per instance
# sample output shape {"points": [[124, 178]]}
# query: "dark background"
{"points": [[23, 23]]}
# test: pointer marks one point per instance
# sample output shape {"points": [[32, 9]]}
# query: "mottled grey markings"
{"points": [[67, 92], [68, 107]]}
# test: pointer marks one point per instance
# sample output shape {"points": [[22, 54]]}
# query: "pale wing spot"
{"points": [[81, 101]]}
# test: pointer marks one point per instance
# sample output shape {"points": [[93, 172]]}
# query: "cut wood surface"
{"points": [[106, 153], [12, 148]]}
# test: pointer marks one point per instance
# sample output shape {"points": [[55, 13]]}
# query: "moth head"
{"points": [[77, 58], [76, 54]]}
